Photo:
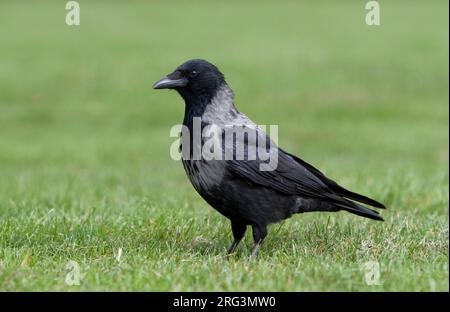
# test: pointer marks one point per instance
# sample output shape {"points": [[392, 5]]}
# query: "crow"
{"points": [[240, 188]]}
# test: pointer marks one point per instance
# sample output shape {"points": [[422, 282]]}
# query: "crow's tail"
{"points": [[360, 210]]}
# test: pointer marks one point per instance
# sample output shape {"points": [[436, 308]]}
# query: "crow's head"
{"points": [[193, 79]]}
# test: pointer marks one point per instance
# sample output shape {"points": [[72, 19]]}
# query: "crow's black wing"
{"points": [[288, 177], [291, 178], [336, 188]]}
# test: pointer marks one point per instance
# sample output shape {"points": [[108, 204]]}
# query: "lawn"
{"points": [[91, 200]]}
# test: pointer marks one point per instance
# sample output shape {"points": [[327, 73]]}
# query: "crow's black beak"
{"points": [[170, 83]]}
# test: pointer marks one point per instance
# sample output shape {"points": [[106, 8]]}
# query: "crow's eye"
{"points": [[193, 73]]}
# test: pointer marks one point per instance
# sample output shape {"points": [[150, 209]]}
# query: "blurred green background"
{"points": [[84, 142]]}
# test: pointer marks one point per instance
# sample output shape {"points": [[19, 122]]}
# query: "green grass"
{"points": [[84, 143]]}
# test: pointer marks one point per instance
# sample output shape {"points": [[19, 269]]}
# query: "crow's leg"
{"points": [[259, 234], [238, 229]]}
